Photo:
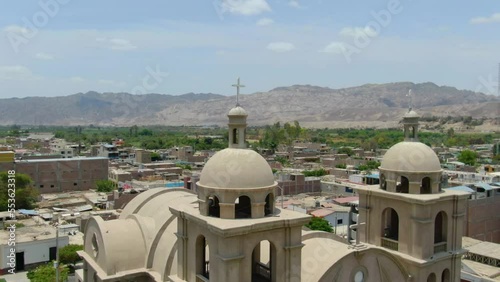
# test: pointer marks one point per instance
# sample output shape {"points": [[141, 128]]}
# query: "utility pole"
{"points": [[56, 263]]}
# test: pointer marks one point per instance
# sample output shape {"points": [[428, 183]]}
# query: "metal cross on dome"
{"points": [[238, 86]]}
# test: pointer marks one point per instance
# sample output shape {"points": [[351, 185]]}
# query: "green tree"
{"points": [[155, 157], [105, 185], [25, 194], [345, 150], [68, 255], [318, 223], [47, 273], [468, 157]]}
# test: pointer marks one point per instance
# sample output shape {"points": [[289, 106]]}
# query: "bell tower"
{"points": [[410, 216], [234, 232]]}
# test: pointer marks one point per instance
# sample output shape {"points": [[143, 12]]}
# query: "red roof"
{"points": [[322, 212], [346, 200]]}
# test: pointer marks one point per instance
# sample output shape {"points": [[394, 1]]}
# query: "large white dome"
{"points": [[236, 168], [410, 157]]}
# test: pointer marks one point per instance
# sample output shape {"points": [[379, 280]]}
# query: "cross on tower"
{"points": [[238, 86], [411, 100]]}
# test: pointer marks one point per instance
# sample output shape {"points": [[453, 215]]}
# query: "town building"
{"points": [[60, 175], [230, 230]]}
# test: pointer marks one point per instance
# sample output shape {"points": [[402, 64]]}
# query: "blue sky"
{"points": [[61, 47]]}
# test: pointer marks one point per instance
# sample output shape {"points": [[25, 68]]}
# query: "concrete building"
{"points": [[231, 230], [34, 244], [142, 156], [61, 175], [297, 183]]}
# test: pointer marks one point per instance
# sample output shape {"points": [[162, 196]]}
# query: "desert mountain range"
{"points": [[370, 105]]}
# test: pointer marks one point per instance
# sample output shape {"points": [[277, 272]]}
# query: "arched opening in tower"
{"points": [[235, 136], [269, 207], [264, 262], [440, 226], [445, 277], [426, 186], [243, 207], [213, 206], [202, 257], [383, 183], [390, 224], [402, 185], [431, 277]]}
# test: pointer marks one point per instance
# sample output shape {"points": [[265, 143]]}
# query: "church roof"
{"points": [[237, 168], [237, 111], [411, 157]]}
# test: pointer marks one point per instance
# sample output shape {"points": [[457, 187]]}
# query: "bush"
{"points": [[105, 185], [318, 223], [68, 255]]}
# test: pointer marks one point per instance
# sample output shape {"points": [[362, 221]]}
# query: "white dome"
{"points": [[410, 157], [236, 168], [411, 114], [237, 111]]}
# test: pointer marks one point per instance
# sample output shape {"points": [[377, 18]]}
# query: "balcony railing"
{"points": [[263, 271], [390, 244], [440, 247]]}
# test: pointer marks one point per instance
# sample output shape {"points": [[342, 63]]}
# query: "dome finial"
{"points": [[238, 86], [410, 103]]}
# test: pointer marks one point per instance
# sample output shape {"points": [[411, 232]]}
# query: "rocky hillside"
{"points": [[378, 105]]}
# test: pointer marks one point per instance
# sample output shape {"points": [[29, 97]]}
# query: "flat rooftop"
{"points": [[61, 160]]}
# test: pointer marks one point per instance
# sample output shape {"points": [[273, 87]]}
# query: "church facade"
{"points": [[409, 229]]}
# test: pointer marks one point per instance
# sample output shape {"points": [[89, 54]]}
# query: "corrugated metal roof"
{"points": [[483, 185], [461, 188], [28, 212]]}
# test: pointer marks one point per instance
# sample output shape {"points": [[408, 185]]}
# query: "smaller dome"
{"points": [[237, 111], [411, 114], [411, 157], [237, 168]]}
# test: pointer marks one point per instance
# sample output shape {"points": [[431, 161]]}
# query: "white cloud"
{"points": [[356, 32], [112, 82], [280, 47], [265, 22], [245, 7], [16, 72], [44, 56], [294, 3], [116, 43], [16, 29], [495, 18], [335, 48], [77, 79]]}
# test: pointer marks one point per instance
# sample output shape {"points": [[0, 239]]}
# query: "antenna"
{"points": [[498, 81]]}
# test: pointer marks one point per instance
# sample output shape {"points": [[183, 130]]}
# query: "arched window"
{"points": [[402, 185], [440, 227], [390, 224], [445, 277], [426, 186], [235, 136], [269, 207], [213, 206], [431, 278], [202, 257], [243, 207], [264, 262]]}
